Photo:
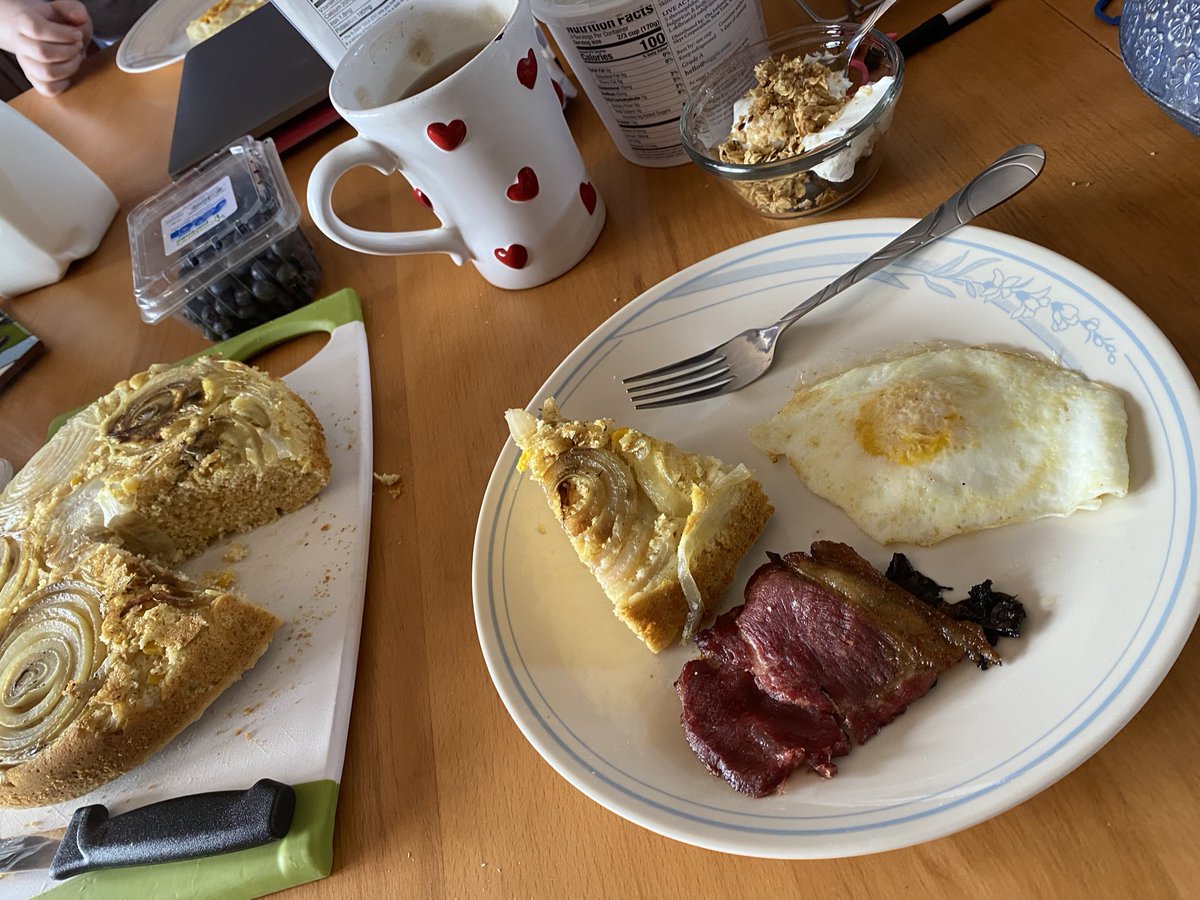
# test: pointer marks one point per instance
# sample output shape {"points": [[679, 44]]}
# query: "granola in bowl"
{"points": [[794, 97]]}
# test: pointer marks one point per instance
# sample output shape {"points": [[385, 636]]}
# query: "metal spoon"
{"points": [[842, 60]]}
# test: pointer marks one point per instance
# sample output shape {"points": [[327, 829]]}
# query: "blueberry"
{"points": [[288, 275], [267, 291], [260, 271], [226, 308], [227, 282]]}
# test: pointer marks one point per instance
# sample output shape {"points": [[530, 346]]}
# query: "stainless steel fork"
{"points": [[745, 357]]}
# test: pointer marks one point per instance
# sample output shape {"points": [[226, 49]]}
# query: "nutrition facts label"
{"points": [[350, 18], [638, 61]]}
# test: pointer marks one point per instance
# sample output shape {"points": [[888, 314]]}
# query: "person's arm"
{"points": [[49, 38]]}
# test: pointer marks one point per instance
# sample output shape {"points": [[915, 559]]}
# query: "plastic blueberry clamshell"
{"points": [[221, 247]]}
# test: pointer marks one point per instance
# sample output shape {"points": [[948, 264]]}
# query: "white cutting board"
{"points": [[287, 718]]}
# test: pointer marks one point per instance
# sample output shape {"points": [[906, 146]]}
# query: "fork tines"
{"points": [[690, 379]]}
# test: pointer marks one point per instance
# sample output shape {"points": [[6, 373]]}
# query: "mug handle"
{"points": [[359, 151]]}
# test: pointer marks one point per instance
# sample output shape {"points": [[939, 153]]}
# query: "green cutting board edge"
{"points": [[306, 854], [325, 314]]}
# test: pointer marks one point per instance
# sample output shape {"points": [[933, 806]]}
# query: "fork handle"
{"points": [[1006, 177]]}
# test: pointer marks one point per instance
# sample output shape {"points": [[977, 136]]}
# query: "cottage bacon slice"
{"points": [[822, 638]]}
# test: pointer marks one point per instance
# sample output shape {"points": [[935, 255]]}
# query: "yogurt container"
{"points": [[637, 61], [53, 209]]}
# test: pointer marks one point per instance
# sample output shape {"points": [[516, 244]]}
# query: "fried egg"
{"points": [[919, 448]]}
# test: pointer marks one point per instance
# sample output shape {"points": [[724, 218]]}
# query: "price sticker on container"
{"points": [[200, 214], [637, 61]]}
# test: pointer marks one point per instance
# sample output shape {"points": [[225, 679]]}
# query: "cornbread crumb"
{"points": [[394, 484], [235, 553], [222, 579]]}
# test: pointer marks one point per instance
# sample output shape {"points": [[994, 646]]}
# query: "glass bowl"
{"points": [[843, 157]]}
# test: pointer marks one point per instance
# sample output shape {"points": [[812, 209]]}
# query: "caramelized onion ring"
{"points": [[151, 409], [10, 559], [597, 494], [49, 468], [49, 653], [600, 502], [17, 574]]}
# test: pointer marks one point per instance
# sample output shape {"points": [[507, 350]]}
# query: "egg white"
{"points": [[920, 448]]}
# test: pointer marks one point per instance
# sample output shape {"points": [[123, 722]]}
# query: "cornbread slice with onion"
{"points": [[194, 452], [106, 664], [661, 529]]}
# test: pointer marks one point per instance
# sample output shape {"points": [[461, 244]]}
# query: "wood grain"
{"points": [[442, 796]]}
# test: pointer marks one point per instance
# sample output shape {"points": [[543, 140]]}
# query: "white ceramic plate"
{"points": [[159, 37], [1112, 594]]}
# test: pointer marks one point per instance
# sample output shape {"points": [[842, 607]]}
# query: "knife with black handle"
{"points": [[169, 831]]}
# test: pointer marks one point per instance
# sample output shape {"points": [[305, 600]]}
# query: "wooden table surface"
{"points": [[442, 796]]}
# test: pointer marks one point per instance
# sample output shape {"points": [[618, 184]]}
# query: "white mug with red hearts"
{"points": [[456, 96]]}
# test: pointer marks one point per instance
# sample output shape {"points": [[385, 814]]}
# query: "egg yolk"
{"points": [[907, 422]]}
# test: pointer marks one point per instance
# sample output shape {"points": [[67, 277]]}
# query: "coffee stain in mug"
{"points": [[420, 51], [416, 52], [439, 72]]}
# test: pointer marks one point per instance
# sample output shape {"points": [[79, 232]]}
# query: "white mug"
{"points": [[456, 96]]}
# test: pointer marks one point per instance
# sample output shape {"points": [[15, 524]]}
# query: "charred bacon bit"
{"points": [[998, 614], [901, 573]]}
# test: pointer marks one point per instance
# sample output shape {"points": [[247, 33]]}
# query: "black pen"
{"points": [[932, 30]]}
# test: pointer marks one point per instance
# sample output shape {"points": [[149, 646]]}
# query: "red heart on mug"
{"points": [[420, 195], [514, 256], [447, 136], [527, 70], [587, 194], [525, 187]]}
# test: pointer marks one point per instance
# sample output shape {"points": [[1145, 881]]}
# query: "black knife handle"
{"points": [[176, 829]]}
